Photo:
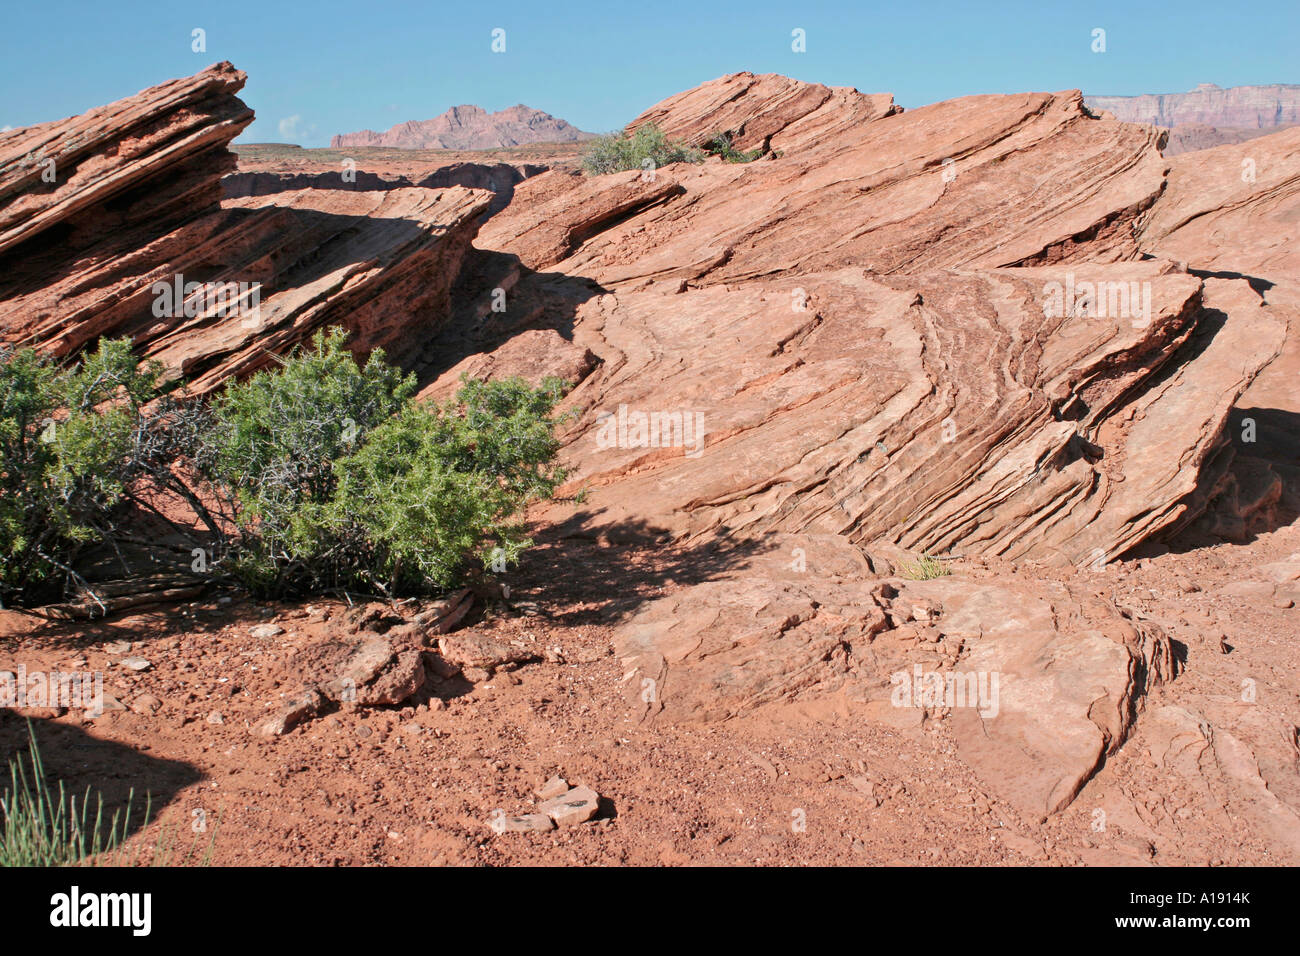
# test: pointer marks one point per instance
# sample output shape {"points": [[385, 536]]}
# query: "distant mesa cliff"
{"points": [[470, 127], [1209, 115]]}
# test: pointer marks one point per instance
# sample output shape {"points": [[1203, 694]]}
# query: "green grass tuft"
{"points": [[41, 826], [923, 568]]}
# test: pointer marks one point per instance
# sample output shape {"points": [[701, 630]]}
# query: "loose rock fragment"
{"points": [[555, 787], [472, 649], [304, 705], [570, 809], [524, 823]]}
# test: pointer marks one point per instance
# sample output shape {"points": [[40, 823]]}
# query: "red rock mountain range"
{"points": [[470, 127]]}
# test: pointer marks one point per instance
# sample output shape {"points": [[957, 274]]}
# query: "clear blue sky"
{"points": [[321, 68]]}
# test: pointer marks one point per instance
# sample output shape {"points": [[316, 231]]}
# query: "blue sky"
{"points": [[326, 67]]}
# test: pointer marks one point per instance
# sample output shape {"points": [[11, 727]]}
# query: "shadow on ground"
{"points": [[78, 760]]}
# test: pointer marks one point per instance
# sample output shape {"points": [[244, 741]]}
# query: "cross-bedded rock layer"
{"points": [[112, 223]]}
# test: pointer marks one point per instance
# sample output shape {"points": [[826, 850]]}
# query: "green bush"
{"points": [[620, 151], [268, 448], [319, 474], [337, 478], [433, 486], [721, 146], [71, 442]]}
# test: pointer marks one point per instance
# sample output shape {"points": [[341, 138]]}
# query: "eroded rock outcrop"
{"points": [[766, 112], [981, 181], [154, 158], [499, 178], [1232, 209], [943, 412], [987, 329], [1228, 212], [130, 237], [864, 333]]}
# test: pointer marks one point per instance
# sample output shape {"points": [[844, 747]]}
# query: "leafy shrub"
{"points": [[432, 485], [337, 478], [268, 448], [720, 145], [71, 442], [319, 474], [620, 151]]}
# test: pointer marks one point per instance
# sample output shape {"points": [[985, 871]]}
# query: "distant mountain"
{"points": [[470, 127], [1209, 115]]}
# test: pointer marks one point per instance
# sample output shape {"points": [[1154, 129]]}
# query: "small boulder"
{"points": [[570, 809], [146, 704], [397, 684], [555, 787], [472, 649]]}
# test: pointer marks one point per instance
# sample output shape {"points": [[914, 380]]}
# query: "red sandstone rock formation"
{"points": [[132, 212], [829, 313], [997, 329], [856, 345], [499, 178]]}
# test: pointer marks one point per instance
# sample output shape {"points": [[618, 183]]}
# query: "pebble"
{"points": [[146, 704]]}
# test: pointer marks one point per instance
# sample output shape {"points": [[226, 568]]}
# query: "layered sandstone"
{"points": [[866, 327], [1000, 330], [129, 236], [1034, 699], [499, 178], [1249, 107]]}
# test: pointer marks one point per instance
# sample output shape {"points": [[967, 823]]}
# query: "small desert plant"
{"points": [[923, 568], [720, 145], [42, 826], [646, 148]]}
